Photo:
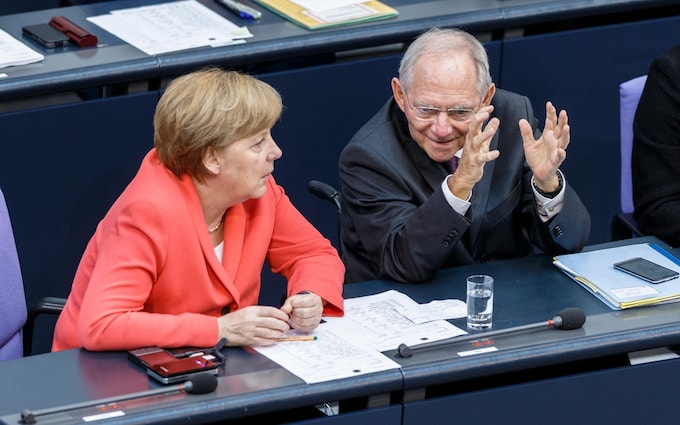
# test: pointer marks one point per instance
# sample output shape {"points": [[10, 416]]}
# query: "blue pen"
{"points": [[243, 11]]}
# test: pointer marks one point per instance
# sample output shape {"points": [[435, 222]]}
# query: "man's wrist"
{"points": [[464, 194], [560, 185]]}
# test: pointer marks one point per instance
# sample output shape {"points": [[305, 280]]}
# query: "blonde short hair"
{"points": [[209, 109]]}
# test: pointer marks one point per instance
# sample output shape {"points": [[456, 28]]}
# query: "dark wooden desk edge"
{"points": [[508, 15], [652, 328], [646, 328]]}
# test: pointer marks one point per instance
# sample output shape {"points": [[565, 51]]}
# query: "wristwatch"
{"points": [[553, 193]]}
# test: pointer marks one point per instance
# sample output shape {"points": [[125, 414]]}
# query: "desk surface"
{"points": [[248, 384], [274, 38], [527, 290]]}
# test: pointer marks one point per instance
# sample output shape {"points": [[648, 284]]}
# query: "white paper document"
{"points": [[340, 14], [380, 321], [14, 52], [170, 27], [351, 345], [322, 5], [334, 10], [434, 310], [333, 355]]}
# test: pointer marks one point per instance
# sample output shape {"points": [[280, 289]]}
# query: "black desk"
{"points": [[274, 38], [250, 386], [81, 121], [539, 376]]}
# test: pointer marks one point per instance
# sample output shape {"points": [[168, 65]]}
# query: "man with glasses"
{"points": [[453, 171]]}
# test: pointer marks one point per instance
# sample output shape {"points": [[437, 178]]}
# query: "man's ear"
{"points": [[211, 161], [398, 93], [489, 95]]}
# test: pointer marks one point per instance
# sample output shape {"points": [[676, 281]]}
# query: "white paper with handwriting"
{"points": [[351, 345]]}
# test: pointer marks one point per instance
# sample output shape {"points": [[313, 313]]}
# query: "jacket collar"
{"points": [[233, 231]]}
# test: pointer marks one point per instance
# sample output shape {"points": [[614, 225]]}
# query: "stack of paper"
{"points": [[170, 27], [351, 345], [13, 52], [315, 14], [594, 270]]}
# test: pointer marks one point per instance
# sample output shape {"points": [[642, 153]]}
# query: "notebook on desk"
{"points": [[595, 271], [326, 14]]}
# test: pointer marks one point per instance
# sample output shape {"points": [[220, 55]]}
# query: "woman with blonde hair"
{"points": [[177, 259]]}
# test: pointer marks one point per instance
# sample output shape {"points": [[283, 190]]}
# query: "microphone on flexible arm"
{"points": [[200, 383], [324, 191], [567, 319]]}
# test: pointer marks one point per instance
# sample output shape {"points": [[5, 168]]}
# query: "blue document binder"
{"points": [[594, 270]]}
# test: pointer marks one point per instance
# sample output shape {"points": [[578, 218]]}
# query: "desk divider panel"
{"points": [[580, 71], [61, 168], [623, 395]]}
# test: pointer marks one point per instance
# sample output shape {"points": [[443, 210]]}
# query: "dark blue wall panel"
{"points": [[61, 168], [580, 71], [624, 395]]}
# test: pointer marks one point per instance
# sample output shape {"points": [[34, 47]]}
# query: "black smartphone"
{"points": [[46, 36], [646, 270], [179, 370]]}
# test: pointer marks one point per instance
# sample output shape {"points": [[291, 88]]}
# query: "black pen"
{"points": [[243, 11]]}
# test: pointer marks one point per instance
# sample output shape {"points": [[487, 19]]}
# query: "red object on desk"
{"points": [[78, 35]]}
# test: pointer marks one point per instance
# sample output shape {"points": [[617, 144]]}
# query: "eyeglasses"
{"points": [[430, 113]]}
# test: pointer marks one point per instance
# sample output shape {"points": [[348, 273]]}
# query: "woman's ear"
{"points": [[211, 161]]}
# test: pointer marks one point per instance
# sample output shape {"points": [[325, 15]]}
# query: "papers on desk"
{"points": [[385, 320], [171, 27], [14, 52], [315, 14], [351, 345], [331, 356], [594, 271]]}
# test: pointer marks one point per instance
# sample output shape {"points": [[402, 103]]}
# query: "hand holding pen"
{"points": [[304, 311]]}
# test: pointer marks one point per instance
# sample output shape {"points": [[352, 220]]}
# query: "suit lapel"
{"points": [[234, 237], [480, 197], [431, 172], [230, 258]]}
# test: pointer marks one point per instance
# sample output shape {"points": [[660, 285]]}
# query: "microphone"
{"points": [[324, 191], [201, 383], [567, 319]]}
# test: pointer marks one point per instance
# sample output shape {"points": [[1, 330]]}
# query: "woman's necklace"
{"points": [[217, 226]]}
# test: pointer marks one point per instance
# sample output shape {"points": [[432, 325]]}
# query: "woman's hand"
{"points": [[253, 325], [304, 311]]}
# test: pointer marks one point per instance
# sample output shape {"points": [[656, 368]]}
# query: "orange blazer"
{"points": [[150, 276]]}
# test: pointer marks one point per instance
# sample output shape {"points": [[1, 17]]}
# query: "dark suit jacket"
{"points": [[656, 149], [396, 222]]}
